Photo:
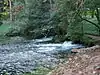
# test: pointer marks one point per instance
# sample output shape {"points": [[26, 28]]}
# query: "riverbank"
{"points": [[86, 61]]}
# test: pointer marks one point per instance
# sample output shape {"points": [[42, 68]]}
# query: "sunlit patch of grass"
{"points": [[39, 71], [4, 28]]}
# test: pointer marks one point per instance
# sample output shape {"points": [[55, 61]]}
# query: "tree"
{"points": [[39, 13], [93, 6], [10, 10]]}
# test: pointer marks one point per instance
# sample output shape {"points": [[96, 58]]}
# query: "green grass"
{"points": [[90, 28], [39, 71], [4, 28]]}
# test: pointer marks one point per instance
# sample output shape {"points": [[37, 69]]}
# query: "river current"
{"points": [[25, 56]]}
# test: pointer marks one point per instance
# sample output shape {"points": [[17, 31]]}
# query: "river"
{"points": [[25, 56]]}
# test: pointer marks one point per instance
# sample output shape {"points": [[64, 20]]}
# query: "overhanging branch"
{"points": [[90, 22]]}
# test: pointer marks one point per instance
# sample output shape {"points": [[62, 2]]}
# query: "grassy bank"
{"points": [[39, 71], [88, 29], [4, 28]]}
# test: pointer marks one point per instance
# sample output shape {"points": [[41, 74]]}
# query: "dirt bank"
{"points": [[85, 62]]}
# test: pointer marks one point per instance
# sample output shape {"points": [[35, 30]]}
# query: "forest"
{"points": [[30, 28], [64, 20]]}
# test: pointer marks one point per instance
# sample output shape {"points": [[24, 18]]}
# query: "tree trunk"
{"points": [[98, 18], [92, 13], [10, 10], [98, 15]]}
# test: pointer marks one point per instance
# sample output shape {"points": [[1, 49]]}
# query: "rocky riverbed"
{"points": [[85, 62], [26, 56]]}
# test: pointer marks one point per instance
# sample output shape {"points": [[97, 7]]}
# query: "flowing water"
{"points": [[25, 56]]}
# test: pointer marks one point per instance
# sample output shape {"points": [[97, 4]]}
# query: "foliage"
{"points": [[38, 13], [67, 16], [4, 7]]}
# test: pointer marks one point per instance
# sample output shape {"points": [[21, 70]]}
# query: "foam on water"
{"points": [[54, 47], [43, 40], [69, 45], [27, 56]]}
